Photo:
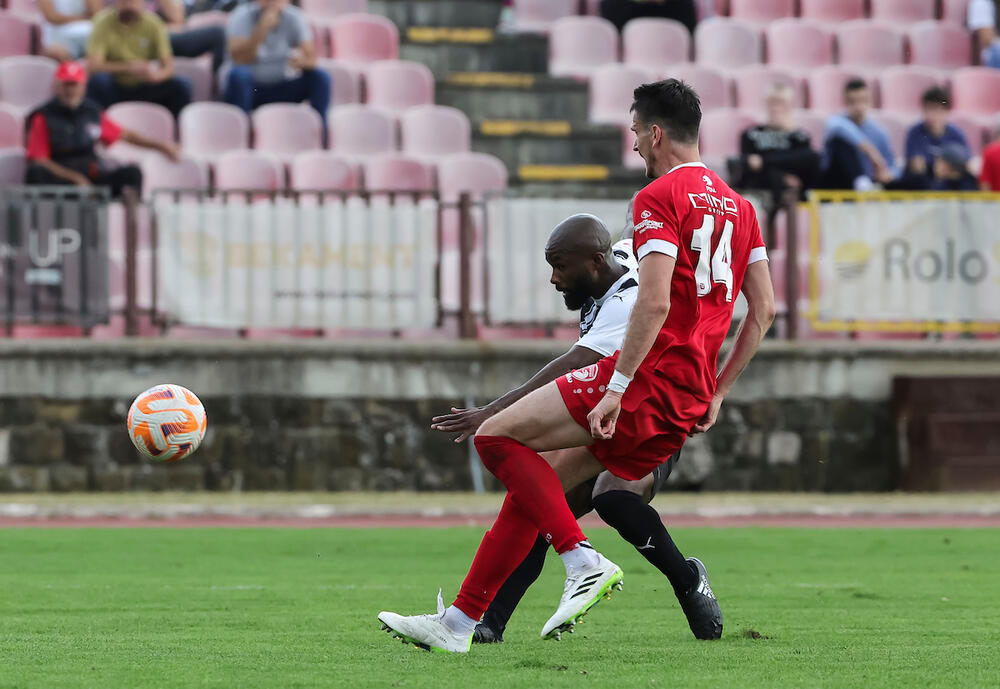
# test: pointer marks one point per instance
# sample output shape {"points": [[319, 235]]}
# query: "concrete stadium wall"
{"points": [[314, 415]]}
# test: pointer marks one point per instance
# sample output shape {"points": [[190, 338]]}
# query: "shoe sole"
{"points": [[615, 583]]}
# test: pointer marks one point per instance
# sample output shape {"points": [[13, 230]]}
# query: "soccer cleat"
{"points": [[428, 632], [700, 606], [582, 592], [485, 634]]}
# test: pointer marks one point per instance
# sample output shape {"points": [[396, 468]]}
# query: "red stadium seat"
{"points": [[247, 170], [939, 44], [799, 44], [721, 42], [199, 71], [976, 90], [158, 172], [901, 88], [12, 164], [904, 11], [345, 81], [611, 88], [11, 126], [761, 10], [396, 85], [334, 8], [358, 130], [322, 170], [284, 129], [712, 84], [897, 126], [826, 87], [210, 18], [15, 35], [26, 80], [208, 129], [955, 11], [832, 10], [869, 44], [579, 45], [652, 43], [754, 81], [364, 38], [721, 130], [475, 173], [433, 131], [538, 15], [975, 130], [396, 172]]}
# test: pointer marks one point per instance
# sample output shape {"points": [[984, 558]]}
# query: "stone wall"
{"points": [[354, 416]]}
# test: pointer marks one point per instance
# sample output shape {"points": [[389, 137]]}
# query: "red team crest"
{"points": [[583, 375]]}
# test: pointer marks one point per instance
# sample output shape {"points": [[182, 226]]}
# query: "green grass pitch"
{"points": [[296, 608]]}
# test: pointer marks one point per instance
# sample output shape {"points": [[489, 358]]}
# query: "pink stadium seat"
{"points": [[721, 42], [826, 87], [976, 133], [721, 130], [396, 172], [869, 44], [832, 10], [761, 10], [611, 88], [334, 8], [320, 28], [754, 81], [322, 170], [345, 81], [208, 129], [158, 172], [364, 38], [712, 84], [939, 44], [579, 45], [27, 8], [211, 18], [813, 123], [897, 126], [11, 166], [26, 80], [396, 85], [955, 11], [284, 129], [247, 170], [149, 119], [903, 11], [538, 15], [432, 131], [976, 90], [653, 43], [15, 35], [11, 126], [799, 44], [199, 71], [901, 88], [475, 173], [358, 130]]}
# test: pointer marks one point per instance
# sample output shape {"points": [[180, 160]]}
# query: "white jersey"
{"points": [[603, 321]]}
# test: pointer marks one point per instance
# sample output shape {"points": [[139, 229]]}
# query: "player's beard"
{"points": [[576, 296]]}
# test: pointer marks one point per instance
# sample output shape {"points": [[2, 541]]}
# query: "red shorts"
{"points": [[655, 420]]}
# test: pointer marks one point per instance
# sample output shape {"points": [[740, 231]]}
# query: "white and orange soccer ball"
{"points": [[167, 423]]}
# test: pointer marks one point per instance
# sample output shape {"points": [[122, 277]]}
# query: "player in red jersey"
{"points": [[698, 246]]}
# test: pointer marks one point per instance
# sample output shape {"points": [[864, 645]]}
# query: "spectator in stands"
{"points": [[989, 176], [192, 42], [619, 12], [66, 27], [982, 20], [925, 139], [63, 133], [951, 169], [130, 57], [776, 156], [856, 150], [272, 58]]}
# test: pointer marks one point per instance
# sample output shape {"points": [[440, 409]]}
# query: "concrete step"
{"points": [[516, 96], [462, 13], [448, 49], [548, 142]]}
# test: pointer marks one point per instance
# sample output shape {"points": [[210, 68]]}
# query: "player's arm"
{"points": [[760, 314]]}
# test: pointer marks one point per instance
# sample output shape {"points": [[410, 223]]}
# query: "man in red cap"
{"points": [[63, 134]]}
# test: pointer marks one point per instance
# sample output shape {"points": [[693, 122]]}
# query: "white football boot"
{"points": [[582, 592], [428, 632]]}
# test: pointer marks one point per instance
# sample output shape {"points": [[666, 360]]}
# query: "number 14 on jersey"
{"points": [[719, 271]]}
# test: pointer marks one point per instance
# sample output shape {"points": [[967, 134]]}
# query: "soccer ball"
{"points": [[166, 423]]}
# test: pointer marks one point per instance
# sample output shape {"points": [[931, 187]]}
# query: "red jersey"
{"points": [[990, 174], [691, 214]]}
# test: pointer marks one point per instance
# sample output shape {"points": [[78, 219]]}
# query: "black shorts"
{"points": [[662, 473]]}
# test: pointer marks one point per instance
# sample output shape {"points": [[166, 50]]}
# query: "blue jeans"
{"points": [[173, 94], [242, 91]]}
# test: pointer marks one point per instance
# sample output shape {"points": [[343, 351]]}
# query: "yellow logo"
{"points": [[851, 259]]}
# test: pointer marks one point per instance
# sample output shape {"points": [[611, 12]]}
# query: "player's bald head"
{"points": [[580, 234]]}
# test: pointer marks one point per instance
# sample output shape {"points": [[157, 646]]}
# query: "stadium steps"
{"points": [[514, 96], [452, 13], [477, 49], [547, 142]]}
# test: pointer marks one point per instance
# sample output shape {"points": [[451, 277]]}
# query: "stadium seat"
{"points": [[158, 172], [345, 81], [247, 170], [284, 129], [364, 38], [396, 85], [199, 72], [334, 8], [939, 44], [26, 9], [754, 81], [210, 18], [11, 166], [149, 119], [358, 130], [579, 45], [761, 10], [712, 84], [475, 173], [652, 43], [976, 90], [16, 35], [721, 42], [901, 88], [428, 132], [813, 123], [897, 126], [976, 132], [799, 44], [208, 129], [832, 10], [826, 87], [537, 16], [26, 80], [867, 43], [322, 171], [955, 11], [903, 11], [611, 88], [396, 172], [721, 130], [11, 126]]}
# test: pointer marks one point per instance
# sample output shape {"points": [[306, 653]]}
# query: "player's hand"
{"points": [[269, 19], [172, 151], [604, 416], [710, 417], [918, 165], [297, 61], [81, 180], [465, 422], [141, 69]]}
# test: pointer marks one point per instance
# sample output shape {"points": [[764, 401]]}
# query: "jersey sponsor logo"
{"points": [[645, 214], [583, 375], [708, 184], [720, 205], [648, 225]]}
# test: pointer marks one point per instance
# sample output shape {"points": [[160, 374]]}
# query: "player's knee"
{"points": [[612, 506]]}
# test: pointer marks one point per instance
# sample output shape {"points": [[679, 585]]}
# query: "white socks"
{"points": [[457, 621], [580, 558]]}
